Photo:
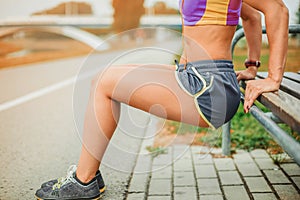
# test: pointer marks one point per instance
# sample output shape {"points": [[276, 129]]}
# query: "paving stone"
{"points": [[135, 196], [159, 198], [276, 176], [224, 164], [181, 193], [291, 169], [264, 196], [183, 165], [163, 159], [138, 182], [202, 159], [266, 163], [242, 157], [296, 180], [181, 147], [143, 163], [230, 178], [200, 149], [159, 172], [248, 169], [205, 171], [259, 153], [216, 151], [286, 192], [257, 184], [160, 187], [184, 179], [181, 152], [211, 197], [208, 186], [235, 192]]}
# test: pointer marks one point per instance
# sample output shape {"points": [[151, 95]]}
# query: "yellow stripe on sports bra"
{"points": [[215, 12]]}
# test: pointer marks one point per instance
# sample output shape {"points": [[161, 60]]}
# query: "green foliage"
{"points": [[298, 14], [279, 158], [212, 139], [182, 128], [155, 151], [246, 133]]}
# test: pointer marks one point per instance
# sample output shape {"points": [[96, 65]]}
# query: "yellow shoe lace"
{"points": [[61, 181]]}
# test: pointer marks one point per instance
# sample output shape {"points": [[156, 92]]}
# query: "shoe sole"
{"points": [[97, 198], [102, 190]]}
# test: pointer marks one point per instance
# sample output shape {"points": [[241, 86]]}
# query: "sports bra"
{"points": [[210, 12]]}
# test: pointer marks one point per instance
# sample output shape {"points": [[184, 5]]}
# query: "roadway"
{"points": [[38, 134]]}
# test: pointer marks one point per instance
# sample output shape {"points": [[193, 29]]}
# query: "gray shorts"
{"points": [[214, 87]]}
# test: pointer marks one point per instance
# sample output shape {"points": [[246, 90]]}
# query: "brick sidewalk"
{"points": [[190, 172]]}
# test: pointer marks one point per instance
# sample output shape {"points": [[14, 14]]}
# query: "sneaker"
{"points": [[98, 177], [69, 188]]}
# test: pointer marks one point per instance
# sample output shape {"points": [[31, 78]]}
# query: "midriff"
{"points": [[207, 42]]}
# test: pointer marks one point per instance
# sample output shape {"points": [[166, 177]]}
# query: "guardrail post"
{"points": [[226, 143]]}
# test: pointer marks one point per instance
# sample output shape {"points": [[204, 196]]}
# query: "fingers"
{"points": [[247, 74], [248, 102], [251, 94], [257, 87], [239, 75]]}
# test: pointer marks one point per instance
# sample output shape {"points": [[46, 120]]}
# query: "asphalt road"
{"points": [[38, 134]]}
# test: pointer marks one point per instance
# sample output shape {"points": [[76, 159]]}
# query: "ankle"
{"points": [[84, 178]]}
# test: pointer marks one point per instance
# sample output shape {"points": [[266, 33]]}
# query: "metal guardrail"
{"points": [[239, 34], [70, 27], [287, 142], [146, 21], [75, 33]]}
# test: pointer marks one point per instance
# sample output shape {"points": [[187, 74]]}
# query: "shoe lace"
{"points": [[63, 180]]}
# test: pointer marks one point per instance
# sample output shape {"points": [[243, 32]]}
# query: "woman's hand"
{"points": [[247, 74], [257, 87]]}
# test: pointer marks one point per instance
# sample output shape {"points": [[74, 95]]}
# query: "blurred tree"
{"points": [[127, 14], [161, 8], [298, 14]]}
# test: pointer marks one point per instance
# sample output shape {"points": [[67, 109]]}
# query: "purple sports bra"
{"points": [[212, 12]]}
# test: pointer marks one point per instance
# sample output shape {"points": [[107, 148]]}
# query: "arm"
{"points": [[251, 19], [276, 17]]}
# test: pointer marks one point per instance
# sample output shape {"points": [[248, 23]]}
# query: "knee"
{"points": [[101, 84]]}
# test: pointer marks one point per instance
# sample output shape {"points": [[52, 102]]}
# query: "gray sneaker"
{"points": [[98, 177], [70, 188]]}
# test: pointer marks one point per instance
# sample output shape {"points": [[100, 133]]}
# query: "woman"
{"points": [[202, 91]]}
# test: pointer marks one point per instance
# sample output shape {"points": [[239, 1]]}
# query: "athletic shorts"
{"points": [[214, 87]]}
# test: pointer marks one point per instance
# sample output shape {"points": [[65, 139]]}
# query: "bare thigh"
{"points": [[151, 88]]}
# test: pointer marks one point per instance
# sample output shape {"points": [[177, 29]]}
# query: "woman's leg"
{"points": [[152, 89]]}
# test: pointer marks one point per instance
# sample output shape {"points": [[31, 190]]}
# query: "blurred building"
{"points": [[68, 8]]}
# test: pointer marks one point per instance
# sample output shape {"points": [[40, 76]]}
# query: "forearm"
{"points": [[251, 20], [278, 41], [276, 17]]}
